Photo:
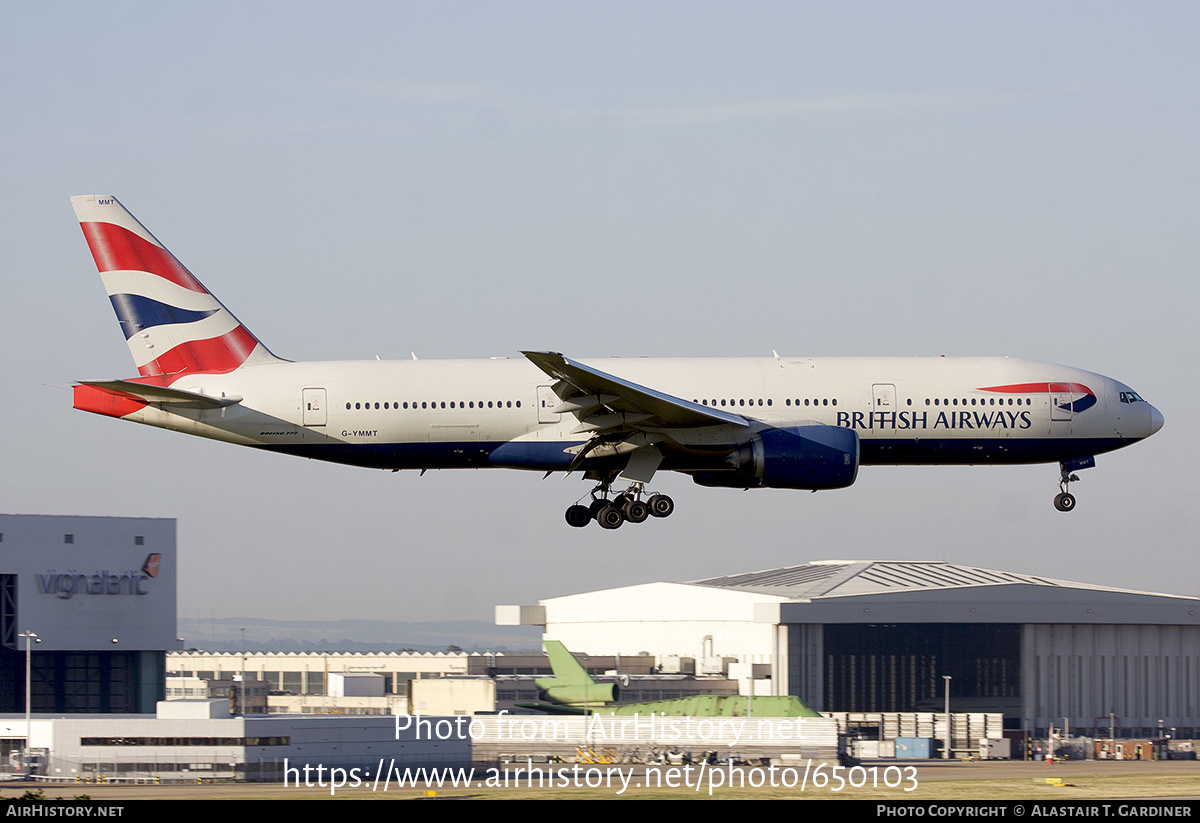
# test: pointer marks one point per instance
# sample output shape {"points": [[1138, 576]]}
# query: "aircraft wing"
{"points": [[604, 401]]}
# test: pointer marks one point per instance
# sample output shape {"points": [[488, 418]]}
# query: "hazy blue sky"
{"points": [[471, 179]]}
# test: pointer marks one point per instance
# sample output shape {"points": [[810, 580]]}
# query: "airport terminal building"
{"points": [[98, 596], [870, 637]]}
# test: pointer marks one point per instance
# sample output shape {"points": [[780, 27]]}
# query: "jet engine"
{"points": [[799, 456], [593, 694]]}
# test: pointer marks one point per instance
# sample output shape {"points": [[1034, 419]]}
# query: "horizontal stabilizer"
{"points": [[162, 395]]}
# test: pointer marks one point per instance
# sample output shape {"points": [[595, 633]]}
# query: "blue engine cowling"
{"points": [[813, 456]]}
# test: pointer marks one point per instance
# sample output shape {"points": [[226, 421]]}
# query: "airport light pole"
{"points": [[29, 638], [949, 737]]}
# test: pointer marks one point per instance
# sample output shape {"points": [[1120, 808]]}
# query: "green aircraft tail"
{"points": [[572, 689], [567, 670]]}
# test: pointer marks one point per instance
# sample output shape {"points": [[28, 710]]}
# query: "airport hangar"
{"points": [[98, 594], [863, 636]]}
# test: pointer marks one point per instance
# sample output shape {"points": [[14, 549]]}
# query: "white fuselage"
{"points": [[446, 414], [791, 423]]}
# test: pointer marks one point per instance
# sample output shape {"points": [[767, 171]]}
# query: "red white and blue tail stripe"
{"points": [[173, 325]]}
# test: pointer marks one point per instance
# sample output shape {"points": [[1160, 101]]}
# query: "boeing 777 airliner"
{"points": [[778, 422]]}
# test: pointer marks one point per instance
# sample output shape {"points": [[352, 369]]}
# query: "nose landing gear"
{"points": [[1064, 501]]}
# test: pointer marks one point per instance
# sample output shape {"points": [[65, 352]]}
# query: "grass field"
{"points": [[942, 782]]}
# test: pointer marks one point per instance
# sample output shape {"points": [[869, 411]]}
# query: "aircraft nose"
{"points": [[1156, 420]]}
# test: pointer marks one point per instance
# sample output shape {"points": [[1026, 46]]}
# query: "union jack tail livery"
{"points": [[173, 325]]}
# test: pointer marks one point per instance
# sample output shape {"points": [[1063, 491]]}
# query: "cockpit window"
{"points": [[1131, 397]]}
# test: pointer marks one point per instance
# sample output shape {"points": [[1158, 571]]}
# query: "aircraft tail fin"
{"points": [[567, 670], [172, 323]]}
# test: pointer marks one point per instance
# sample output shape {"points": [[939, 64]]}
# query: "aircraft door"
{"points": [[883, 407], [547, 400], [312, 405], [1060, 401]]}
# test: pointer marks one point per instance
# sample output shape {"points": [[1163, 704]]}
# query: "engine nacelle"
{"points": [[803, 456], [592, 694]]}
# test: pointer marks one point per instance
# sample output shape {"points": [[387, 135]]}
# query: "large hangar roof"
{"points": [[843, 578], [851, 591]]}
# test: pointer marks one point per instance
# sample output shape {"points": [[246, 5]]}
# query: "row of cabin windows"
{"points": [[983, 401], [69, 539], [508, 404], [936, 401], [436, 404], [759, 402]]}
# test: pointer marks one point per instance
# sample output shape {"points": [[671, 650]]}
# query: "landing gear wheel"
{"points": [[579, 516], [610, 517], [1064, 501], [660, 505], [636, 511], [596, 506]]}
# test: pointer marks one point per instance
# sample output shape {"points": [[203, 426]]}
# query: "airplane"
{"points": [[780, 422], [571, 690]]}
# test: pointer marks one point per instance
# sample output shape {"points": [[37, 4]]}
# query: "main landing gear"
{"points": [[1064, 501], [626, 506]]}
